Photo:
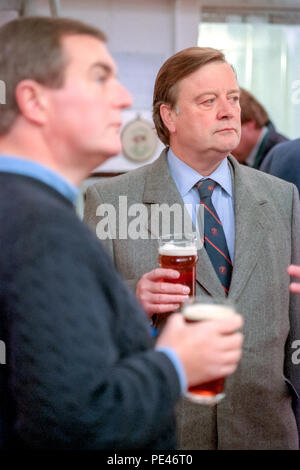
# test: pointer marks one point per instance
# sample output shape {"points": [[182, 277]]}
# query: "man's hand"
{"points": [[208, 350], [294, 271], [158, 296]]}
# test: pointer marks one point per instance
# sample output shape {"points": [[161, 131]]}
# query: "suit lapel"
{"points": [[161, 189], [159, 185], [251, 224]]}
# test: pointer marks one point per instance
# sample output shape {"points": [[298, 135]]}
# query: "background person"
{"points": [[81, 370], [254, 230], [258, 133]]}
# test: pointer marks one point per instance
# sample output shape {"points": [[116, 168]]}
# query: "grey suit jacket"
{"points": [[257, 411]]}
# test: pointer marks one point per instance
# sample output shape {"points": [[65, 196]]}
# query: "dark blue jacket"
{"points": [[81, 371], [283, 161]]}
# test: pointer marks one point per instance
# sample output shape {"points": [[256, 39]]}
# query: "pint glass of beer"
{"points": [[205, 309], [179, 251]]}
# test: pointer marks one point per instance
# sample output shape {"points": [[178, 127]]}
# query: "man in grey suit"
{"points": [[197, 116]]}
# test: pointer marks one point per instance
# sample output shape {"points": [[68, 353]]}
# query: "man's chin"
{"points": [[228, 147], [112, 151], [225, 150], [99, 156]]}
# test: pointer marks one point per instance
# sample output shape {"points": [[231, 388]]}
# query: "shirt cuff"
{"points": [[177, 364]]}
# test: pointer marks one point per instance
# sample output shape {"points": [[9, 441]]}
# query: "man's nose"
{"points": [[124, 99], [225, 109]]}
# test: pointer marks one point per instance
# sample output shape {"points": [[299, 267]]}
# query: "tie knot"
{"points": [[206, 188]]}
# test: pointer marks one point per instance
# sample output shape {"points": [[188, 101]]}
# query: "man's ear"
{"points": [[32, 101], [168, 116]]}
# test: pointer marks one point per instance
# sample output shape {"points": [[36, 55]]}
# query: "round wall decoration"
{"points": [[139, 140]]}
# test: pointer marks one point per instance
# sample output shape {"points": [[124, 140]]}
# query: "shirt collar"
{"points": [[40, 172], [186, 177]]}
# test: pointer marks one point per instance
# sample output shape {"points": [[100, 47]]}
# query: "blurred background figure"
{"points": [[283, 161], [258, 132]]}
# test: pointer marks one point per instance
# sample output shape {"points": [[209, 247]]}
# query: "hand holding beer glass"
{"points": [[179, 252], [206, 309]]}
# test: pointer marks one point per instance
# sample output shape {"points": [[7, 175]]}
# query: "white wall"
{"points": [[142, 34], [253, 3], [135, 25]]}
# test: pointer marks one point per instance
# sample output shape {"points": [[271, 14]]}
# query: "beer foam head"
{"points": [[170, 249], [207, 311]]}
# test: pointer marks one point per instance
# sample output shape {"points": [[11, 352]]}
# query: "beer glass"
{"points": [[204, 309], [179, 251]]}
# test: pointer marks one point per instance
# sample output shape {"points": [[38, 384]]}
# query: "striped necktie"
{"points": [[214, 238]]}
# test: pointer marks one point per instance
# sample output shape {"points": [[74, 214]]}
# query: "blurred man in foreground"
{"points": [[81, 370]]}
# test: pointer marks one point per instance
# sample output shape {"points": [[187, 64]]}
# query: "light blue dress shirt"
{"points": [[21, 166], [42, 173], [185, 179]]}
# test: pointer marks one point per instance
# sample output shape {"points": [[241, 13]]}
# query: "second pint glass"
{"points": [[205, 309], [179, 251]]}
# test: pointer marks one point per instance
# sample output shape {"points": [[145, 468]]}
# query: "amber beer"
{"points": [[182, 257], [209, 393]]}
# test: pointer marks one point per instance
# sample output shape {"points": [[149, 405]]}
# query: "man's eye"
{"points": [[101, 78], [235, 99], [209, 101]]}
